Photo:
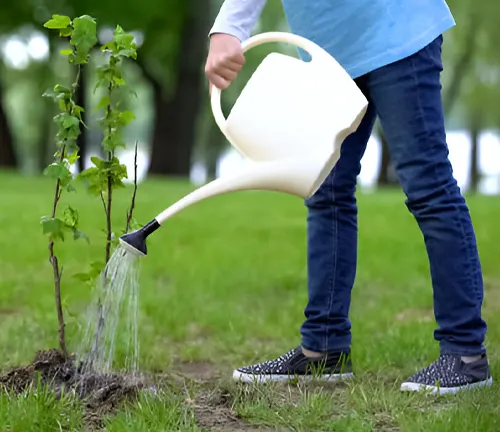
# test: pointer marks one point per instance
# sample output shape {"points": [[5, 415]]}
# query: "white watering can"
{"points": [[289, 122]]}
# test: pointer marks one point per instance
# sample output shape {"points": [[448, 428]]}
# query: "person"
{"points": [[392, 50]]}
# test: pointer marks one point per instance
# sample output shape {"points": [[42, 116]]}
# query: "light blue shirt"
{"points": [[362, 35]]}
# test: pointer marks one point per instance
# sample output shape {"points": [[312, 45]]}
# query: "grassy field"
{"points": [[224, 285]]}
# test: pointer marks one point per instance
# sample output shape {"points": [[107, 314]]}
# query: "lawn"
{"points": [[223, 285]]}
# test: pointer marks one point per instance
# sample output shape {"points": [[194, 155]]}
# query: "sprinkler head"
{"points": [[135, 242]]}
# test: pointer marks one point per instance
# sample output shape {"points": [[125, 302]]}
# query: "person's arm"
{"points": [[238, 18]]}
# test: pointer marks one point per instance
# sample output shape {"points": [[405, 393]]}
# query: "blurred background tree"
{"points": [[174, 125]]}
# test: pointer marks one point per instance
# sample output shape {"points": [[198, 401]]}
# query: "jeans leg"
{"points": [[407, 99], [332, 247]]}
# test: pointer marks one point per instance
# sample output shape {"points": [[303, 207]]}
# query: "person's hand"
{"points": [[225, 59]]}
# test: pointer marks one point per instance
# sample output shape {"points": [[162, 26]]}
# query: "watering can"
{"points": [[289, 123]]}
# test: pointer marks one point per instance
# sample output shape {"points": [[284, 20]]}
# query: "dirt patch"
{"points": [[8, 311], [101, 393], [199, 371], [213, 412]]}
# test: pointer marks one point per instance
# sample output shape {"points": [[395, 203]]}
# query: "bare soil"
{"points": [[212, 405], [198, 371], [103, 394], [213, 412]]}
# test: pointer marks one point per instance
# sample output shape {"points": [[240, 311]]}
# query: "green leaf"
{"points": [[66, 32], [77, 111], [59, 92], [134, 225], [123, 39], [79, 235], [66, 52], [112, 142], [109, 46], [104, 75], [59, 171], [73, 157], [69, 121], [128, 52], [84, 277], [69, 125], [78, 58], [54, 227], [117, 172], [70, 216], [99, 163], [63, 90], [84, 36], [103, 103], [126, 117], [58, 22], [118, 81], [49, 94], [95, 180], [96, 268]]}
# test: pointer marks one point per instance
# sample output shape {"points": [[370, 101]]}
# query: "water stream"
{"points": [[111, 329]]}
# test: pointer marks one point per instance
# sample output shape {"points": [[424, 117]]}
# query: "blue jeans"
{"points": [[406, 97]]}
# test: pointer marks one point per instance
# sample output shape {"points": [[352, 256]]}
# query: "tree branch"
{"points": [[132, 204]]}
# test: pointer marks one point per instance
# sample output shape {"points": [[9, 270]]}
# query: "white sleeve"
{"points": [[238, 17]]}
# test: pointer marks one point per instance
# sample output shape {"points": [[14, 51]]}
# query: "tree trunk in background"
{"points": [[46, 145], [215, 142], [160, 148], [385, 161], [462, 65], [81, 93], [213, 149], [46, 140], [175, 120], [8, 157], [386, 176], [474, 174]]}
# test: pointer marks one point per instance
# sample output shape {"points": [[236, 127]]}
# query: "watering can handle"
{"points": [[252, 42]]}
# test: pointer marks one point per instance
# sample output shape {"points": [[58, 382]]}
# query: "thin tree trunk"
{"points": [[8, 157], [385, 161], [213, 150], [462, 65], [46, 140], [175, 124], [161, 153], [214, 142], [81, 93], [474, 174], [46, 144], [386, 175]]}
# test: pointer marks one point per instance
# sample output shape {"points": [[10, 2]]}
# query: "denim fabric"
{"points": [[406, 96]]}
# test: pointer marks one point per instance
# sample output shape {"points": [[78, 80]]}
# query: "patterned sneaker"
{"points": [[294, 364], [449, 374]]}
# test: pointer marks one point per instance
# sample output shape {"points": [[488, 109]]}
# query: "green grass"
{"points": [[224, 285], [39, 409]]}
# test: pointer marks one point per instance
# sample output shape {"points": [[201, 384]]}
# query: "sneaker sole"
{"points": [[252, 378], [432, 390]]}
